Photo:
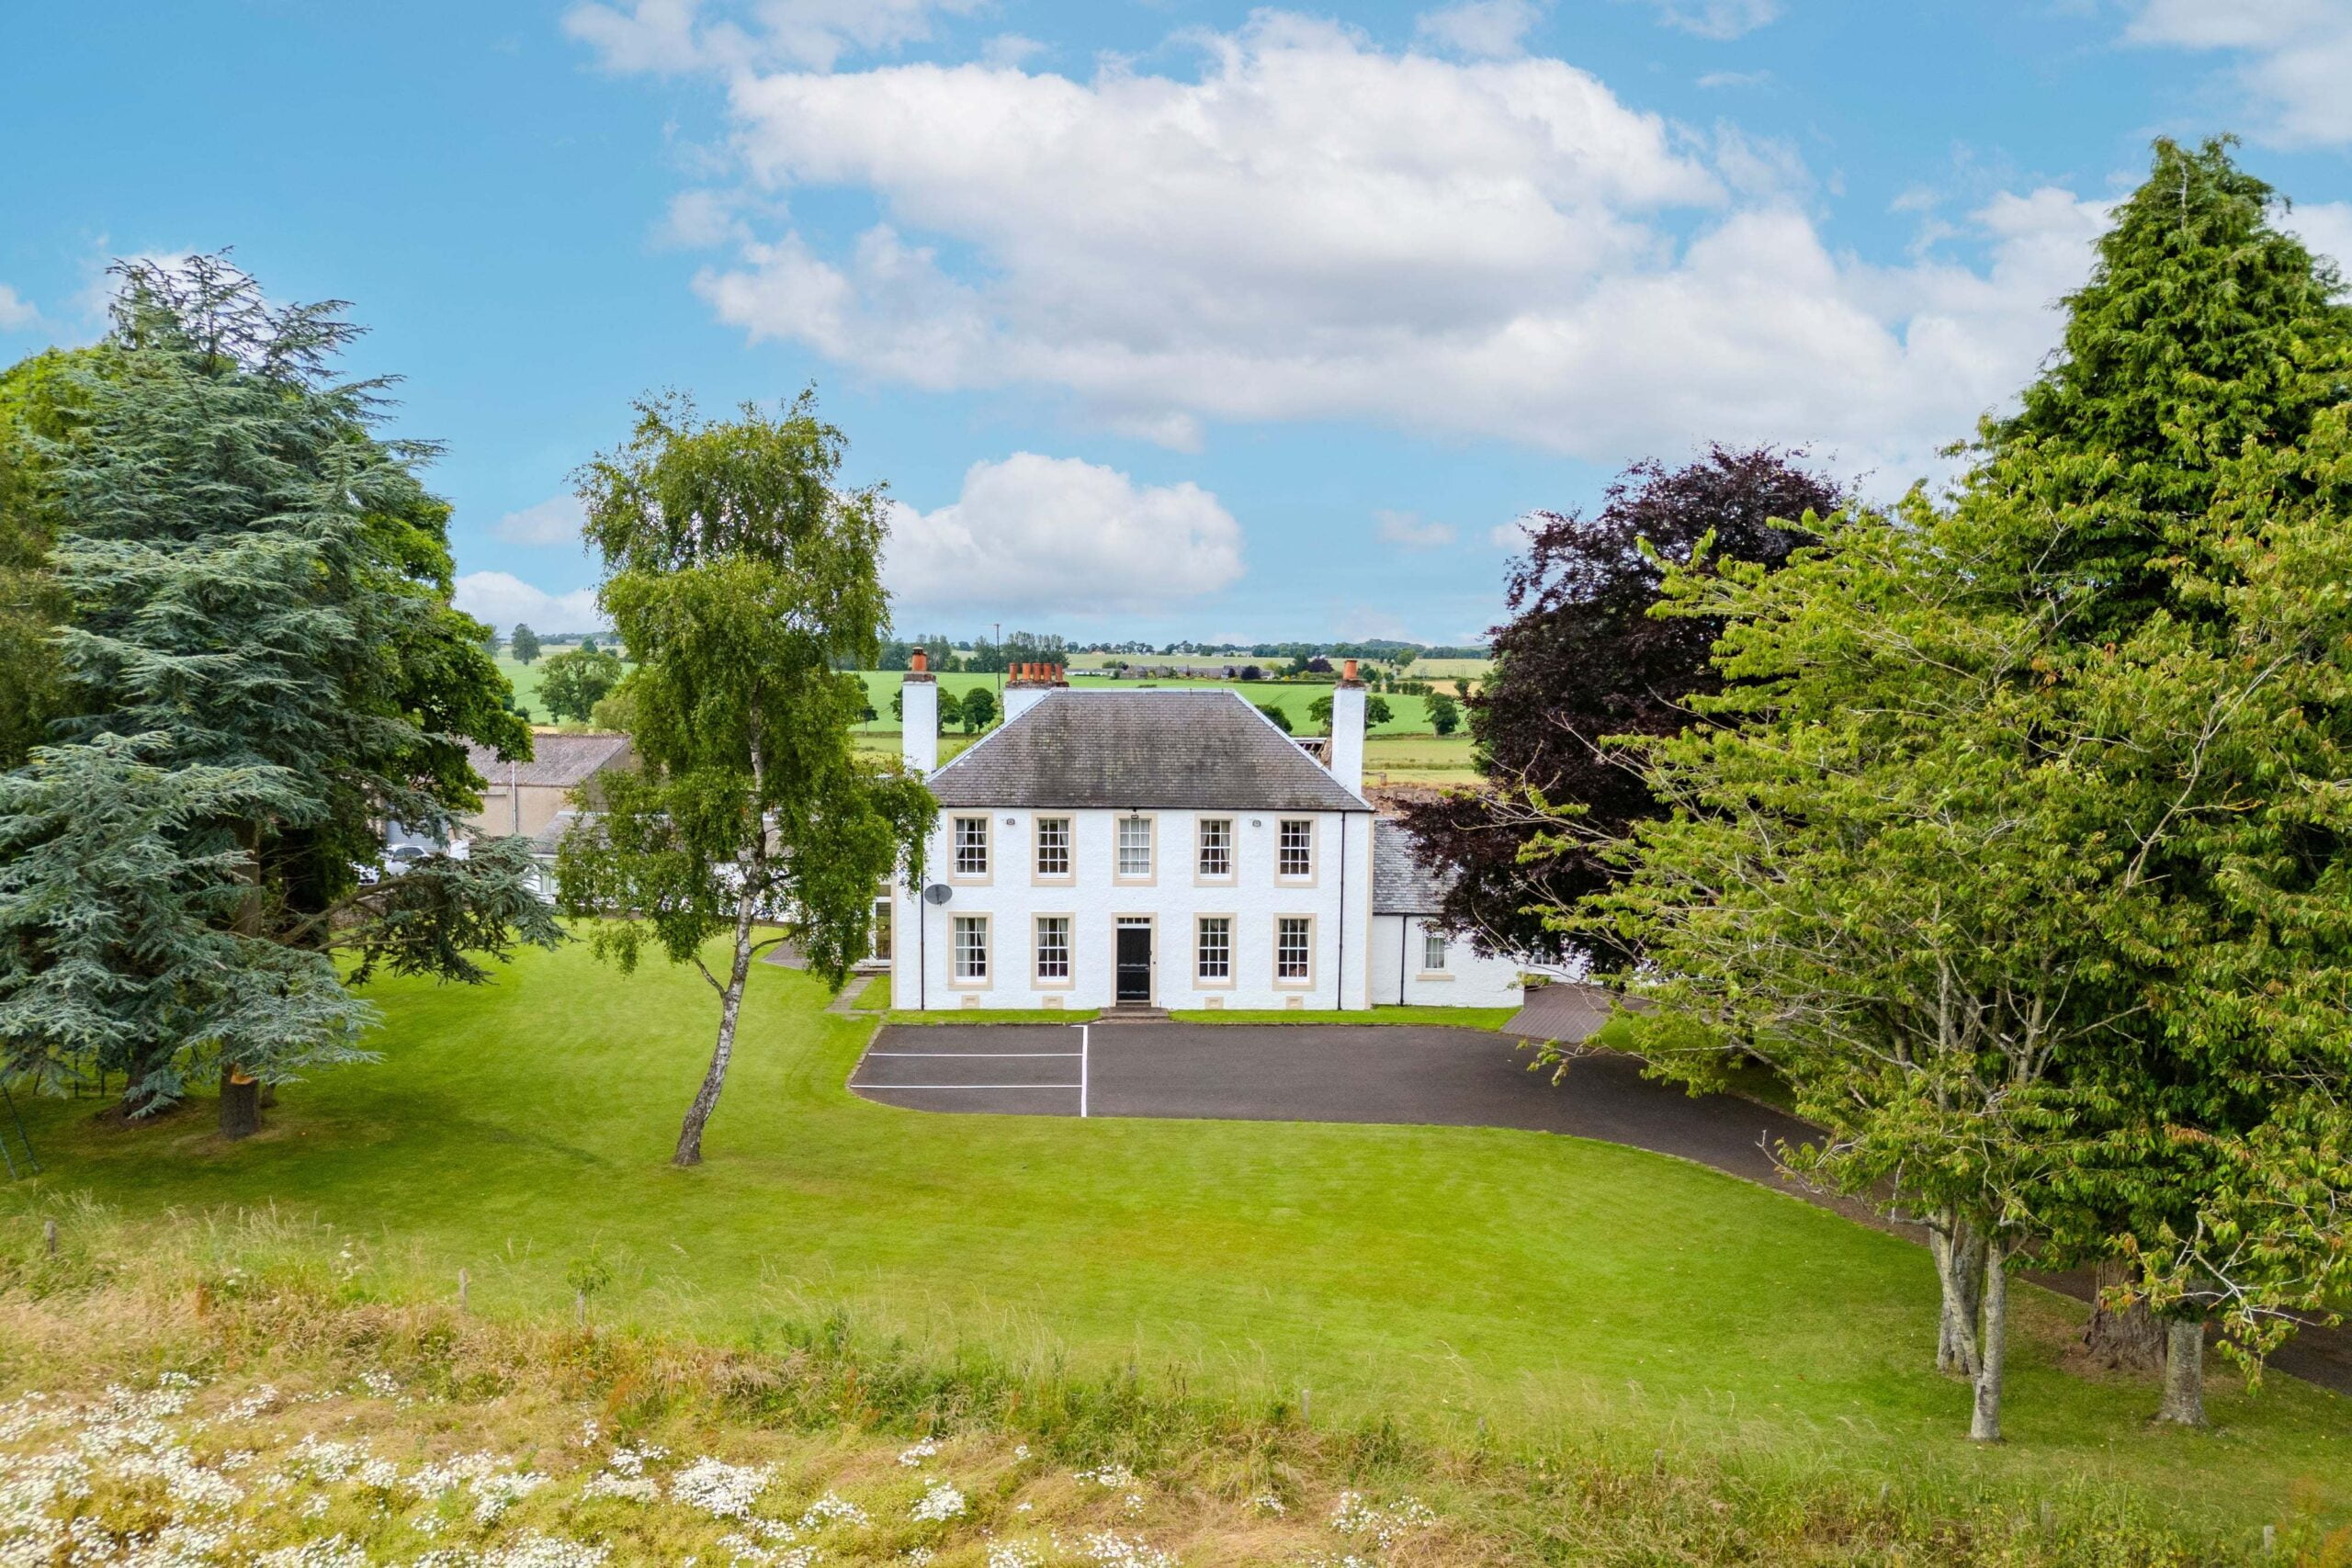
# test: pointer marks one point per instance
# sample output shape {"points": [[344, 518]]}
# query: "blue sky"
{"points": [[1168, 317]]}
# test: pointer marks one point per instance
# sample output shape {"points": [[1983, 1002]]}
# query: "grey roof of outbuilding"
{"points": [[1184, 748], [550, 839], [562, 760], [1401, 885]]}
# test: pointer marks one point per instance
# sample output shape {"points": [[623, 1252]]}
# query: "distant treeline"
{"points": [[984, 654]]}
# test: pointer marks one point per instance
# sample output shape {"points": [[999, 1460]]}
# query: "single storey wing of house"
{"points": [[1415, 963]]}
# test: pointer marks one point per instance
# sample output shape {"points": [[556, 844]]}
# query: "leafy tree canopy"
{"points": [[573, 683], [1583, 658], [977, 710], [740, 575]]}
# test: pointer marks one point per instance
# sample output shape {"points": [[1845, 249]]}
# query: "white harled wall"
{"points": [[1011, 895], [1469, 979]]}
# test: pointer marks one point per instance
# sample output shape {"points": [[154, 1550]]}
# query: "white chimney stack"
{"points": [[1346, 760], [918, 717], [1028, 686]]}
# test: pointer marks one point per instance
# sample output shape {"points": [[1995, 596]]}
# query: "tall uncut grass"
{"points": [[558, 1442]]}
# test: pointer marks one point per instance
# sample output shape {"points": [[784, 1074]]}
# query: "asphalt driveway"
{"points": [[1455, 1077]]}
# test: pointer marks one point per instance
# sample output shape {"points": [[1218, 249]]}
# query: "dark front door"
{"points": [[1135, 965]]}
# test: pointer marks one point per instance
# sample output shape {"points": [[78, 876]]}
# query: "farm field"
{"points": [[1409, 714], [525, 679], [1462, 1281]]}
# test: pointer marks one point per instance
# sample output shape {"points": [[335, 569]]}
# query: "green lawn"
{"points": [[1455, 1279]]}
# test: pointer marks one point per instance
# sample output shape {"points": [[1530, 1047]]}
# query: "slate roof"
{"points": [[550, 839], [1400, 883], [562, 761], [1180, 750]]}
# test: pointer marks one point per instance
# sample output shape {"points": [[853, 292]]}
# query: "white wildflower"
{"points": [[1116, 1476], [328, 1462], [494, 1495], [1351, 1515], [630, 1489], [434, 1480], [382, 1384], [262, 1399], [1015, 1555], [1107, 1549], [724, 1491], [332, 1553], [531, 1549], [920, 1452], [940, 1503], [832, 1509]]}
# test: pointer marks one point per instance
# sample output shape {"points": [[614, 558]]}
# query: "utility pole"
{"points": [[999, 626]]}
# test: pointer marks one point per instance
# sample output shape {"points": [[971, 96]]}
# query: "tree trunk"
{"points": [[689, 1151], [240, 1090], [240, 1104], [1985, 1421], [2126, 1338], [137, 1100], [2184, 1401], [1960, 1272]]}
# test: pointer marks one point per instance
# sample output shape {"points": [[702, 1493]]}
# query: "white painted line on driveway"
{"points": [[974, 1055], [900, 1085]]}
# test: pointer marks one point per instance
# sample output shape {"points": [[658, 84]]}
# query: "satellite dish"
{"points": [[938, 892]]}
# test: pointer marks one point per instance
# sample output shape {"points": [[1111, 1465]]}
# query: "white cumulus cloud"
{"points": [[2296, 56], [1409, 530], [502, 599], [1716, 18], [555, 521], [672, 36], [1491, 29], [15, 311], [1315, 228], [2326, 227], [1034, 535], [1514, 536]]}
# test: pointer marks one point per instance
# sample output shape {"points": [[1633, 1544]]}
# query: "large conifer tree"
{"points": [[2198, 361], [256, 586]]}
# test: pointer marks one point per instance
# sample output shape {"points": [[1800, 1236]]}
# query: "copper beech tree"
{"points": [[742, 579], [1582, 658]]}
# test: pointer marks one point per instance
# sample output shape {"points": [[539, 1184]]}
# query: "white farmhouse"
{"points": [[1164, 849]]}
